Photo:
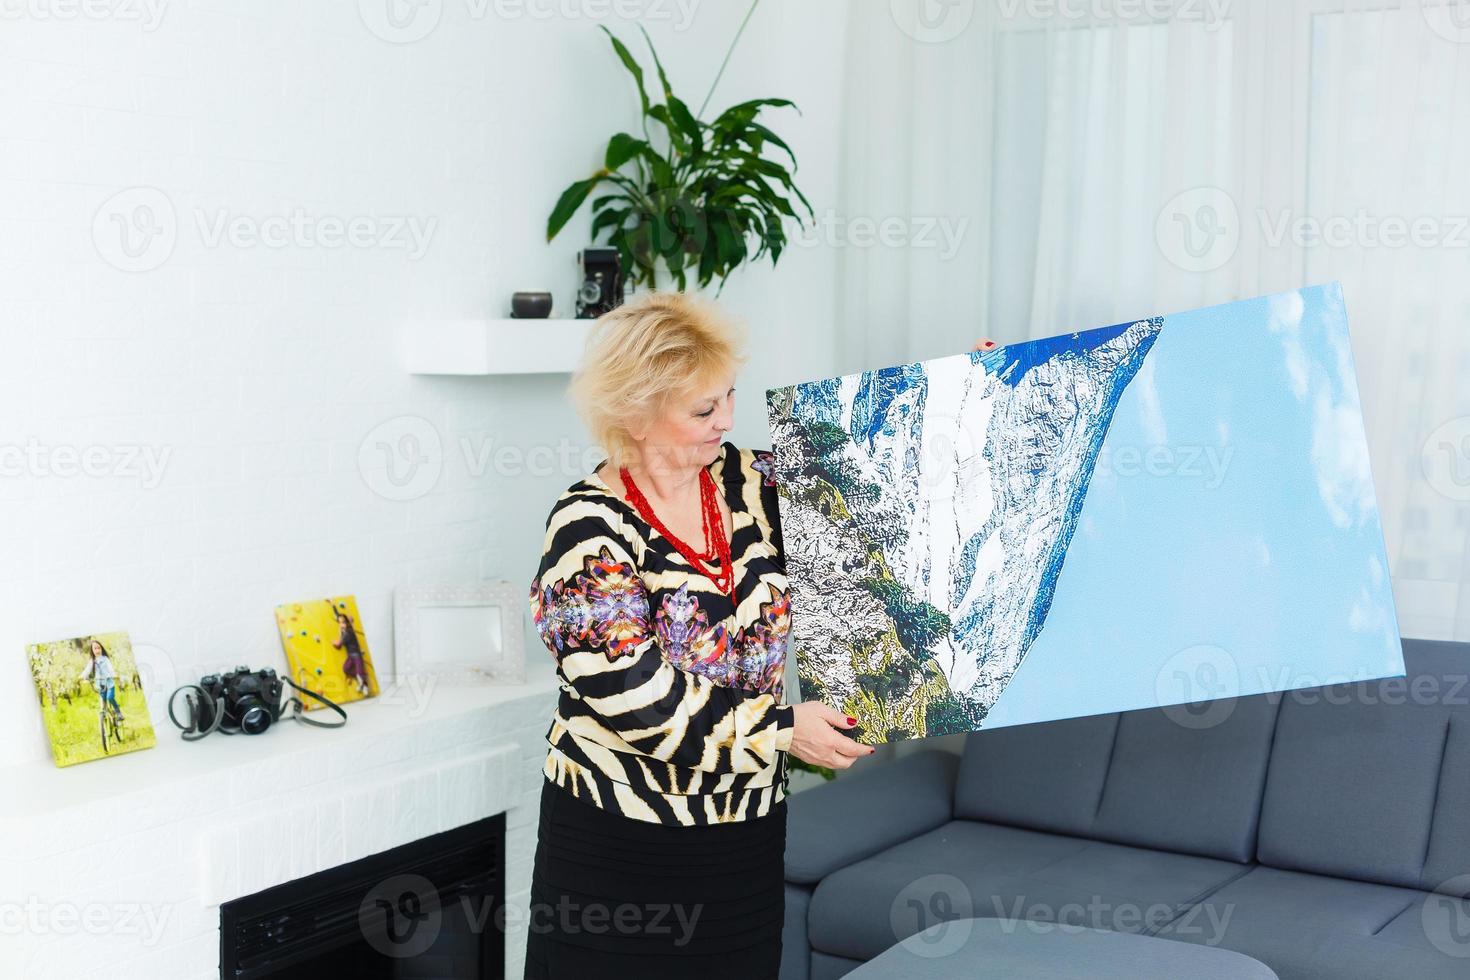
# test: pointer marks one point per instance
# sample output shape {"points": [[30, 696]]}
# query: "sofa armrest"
{"points": [[857, 815]]}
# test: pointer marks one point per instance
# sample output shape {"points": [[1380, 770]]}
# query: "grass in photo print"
{"points": [[91, 697]]}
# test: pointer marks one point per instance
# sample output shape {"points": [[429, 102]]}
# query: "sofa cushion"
{"points": [[1371, 780], [1193, 787], [865, 810], [969, 869], [1047, 776], [1151, 778], [796, 950], [1313, 927]]}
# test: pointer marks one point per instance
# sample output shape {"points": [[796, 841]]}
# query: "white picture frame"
{"points": [[466, 633]]}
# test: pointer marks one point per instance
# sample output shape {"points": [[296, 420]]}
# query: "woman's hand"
{"points": [[984, 343], [814, 739]]}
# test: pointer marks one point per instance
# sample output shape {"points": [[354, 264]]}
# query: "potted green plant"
{"points": [[695, 200]]}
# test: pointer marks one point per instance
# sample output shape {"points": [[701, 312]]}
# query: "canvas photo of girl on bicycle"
{"points": [[327, 650], [91, 697]]}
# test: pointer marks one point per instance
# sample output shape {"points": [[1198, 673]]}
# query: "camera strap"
{"points": [[300, 712], [192, 732]]}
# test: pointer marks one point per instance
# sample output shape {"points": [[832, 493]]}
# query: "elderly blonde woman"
{"points": [[662, 594]]}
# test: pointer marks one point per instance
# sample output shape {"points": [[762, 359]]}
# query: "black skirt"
{"points": [[612, 896]]}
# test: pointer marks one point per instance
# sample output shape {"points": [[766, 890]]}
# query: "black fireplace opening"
{"points": [[429, 909]]}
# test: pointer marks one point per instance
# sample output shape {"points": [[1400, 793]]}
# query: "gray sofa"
{"points": [[1324, 832]]}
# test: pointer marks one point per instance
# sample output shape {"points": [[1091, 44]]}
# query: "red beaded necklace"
{"points": [[717, 545]]}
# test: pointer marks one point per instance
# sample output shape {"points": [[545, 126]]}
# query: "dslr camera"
{"points": [[244, 700], [249, 699]]}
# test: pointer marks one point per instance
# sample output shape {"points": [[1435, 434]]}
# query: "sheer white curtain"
{"points": [[1105, 166]]}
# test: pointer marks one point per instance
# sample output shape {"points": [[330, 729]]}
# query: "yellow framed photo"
{"points": [[327, 649]]}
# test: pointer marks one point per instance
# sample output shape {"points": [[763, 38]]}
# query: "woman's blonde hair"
{"points": [[656, 347]]}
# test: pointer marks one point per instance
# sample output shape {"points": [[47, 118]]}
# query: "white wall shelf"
{"points": [[494, 346]]}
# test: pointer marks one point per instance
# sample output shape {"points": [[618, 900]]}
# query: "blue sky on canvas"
{"points": [[1229, 528]]}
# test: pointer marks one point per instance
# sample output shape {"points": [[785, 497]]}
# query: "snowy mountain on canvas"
{"points": [[926, 511]]}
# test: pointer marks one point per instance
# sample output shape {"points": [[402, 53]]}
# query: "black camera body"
{"points": [[249, 699]]}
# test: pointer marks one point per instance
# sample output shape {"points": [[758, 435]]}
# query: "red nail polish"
{"points": [[851, 720]]}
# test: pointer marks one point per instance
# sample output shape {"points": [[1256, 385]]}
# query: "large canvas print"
{"points": [[1172, 511]]}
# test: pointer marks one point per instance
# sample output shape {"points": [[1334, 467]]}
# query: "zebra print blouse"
{"points": [[671, 696]]}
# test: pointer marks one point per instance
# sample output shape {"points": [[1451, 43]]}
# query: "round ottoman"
{"points": [[1007, 949]]}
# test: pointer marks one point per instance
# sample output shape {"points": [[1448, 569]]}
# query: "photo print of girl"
{"points": [[327, 650]]}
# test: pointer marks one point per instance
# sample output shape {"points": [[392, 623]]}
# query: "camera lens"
{"points": [[254, 719]]}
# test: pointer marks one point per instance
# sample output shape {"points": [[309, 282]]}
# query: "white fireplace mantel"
{"points": [[117, 868]]}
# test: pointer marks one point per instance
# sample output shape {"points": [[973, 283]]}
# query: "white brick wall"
{"points": [[148, 868]]}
